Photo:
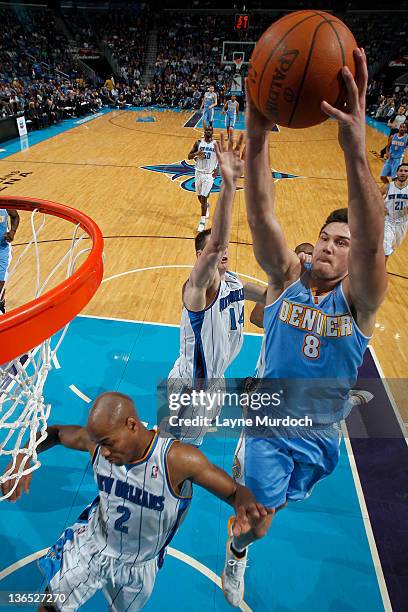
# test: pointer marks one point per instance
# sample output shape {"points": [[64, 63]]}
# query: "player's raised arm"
{"points": [[270, 248], [367, 281], [14, 223], [206, 267], [255, 293], [70, 436], [257, 315], [186, 462]]}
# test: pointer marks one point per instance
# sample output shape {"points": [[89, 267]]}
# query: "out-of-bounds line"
{"points": [[389, 394], [177, 554], [367, 523]]}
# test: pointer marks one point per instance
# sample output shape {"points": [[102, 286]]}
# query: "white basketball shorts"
{"points": [[394, 234], [75, 569], [203, 183]]}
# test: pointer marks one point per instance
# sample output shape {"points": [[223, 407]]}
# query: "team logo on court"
{"points": [[184, 174]]}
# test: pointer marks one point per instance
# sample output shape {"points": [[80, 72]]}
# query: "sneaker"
{"points": [[357, 397], [207, 214], [232, 577], [201, 225]]}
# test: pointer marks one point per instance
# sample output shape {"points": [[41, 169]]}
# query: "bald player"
{"points": [[145, 487]]}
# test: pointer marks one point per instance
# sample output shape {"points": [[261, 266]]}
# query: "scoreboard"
{"points": [[241, 22]]}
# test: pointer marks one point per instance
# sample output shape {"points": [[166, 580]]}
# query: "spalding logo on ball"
{"points": [[296, 64]]}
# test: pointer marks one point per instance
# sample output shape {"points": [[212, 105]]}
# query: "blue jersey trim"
{"points": [[147, 455], [50, 564], [95, 454], [184, 505], [200, 367], [86, 513], [167, 475]]}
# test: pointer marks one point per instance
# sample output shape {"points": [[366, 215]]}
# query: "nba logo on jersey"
{"points": [[155, 471]]}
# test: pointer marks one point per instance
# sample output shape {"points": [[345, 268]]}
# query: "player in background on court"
{"points": [[394, 153], [317, 328], [145, 485], [7, 236], [203, 152], [396, 210], [212, 320], [210, 101], [231, 112]]}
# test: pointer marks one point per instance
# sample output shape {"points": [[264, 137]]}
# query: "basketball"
{"points": [[296, 64]]}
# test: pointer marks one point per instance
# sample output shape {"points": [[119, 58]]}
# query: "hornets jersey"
{"points": [[209, 162], [396, 203], [137, 512], [308, 341], [211, 338]]}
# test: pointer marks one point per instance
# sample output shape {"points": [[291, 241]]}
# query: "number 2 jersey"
{"points": [[136, 513], [211, 338], [315, 351]]}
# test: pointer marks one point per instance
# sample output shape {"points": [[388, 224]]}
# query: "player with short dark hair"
{"points": [[203, 152], [396, 210], [231, 112], [396, 146], [208, 105], [316, 328], [212, 320]]}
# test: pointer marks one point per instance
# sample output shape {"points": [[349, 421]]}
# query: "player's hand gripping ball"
{"points": [[296, 64]]}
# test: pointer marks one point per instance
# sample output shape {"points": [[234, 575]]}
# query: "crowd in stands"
{"points": [[32, 50], [126, 38], [40, 77]]}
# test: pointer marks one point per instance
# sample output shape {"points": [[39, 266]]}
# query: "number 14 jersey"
{"points": [[211, 338]]}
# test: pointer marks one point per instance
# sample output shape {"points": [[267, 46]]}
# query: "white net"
{"points": [[23, 409]]}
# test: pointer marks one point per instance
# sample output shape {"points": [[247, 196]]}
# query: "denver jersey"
{"points": [[211, 338], [396, 203], [397, 146], [308, 341], [232, 107], [209, 99], [137, 513], [209, 162], [3, 227]]}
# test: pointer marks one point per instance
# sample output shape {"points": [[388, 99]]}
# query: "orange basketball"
{"points": [[296, 64]]}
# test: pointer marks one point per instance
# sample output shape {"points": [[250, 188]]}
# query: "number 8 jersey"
{"points": [[211, 338], [308, 341]]}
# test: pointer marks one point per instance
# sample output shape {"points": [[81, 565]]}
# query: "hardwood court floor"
{"points": [[149, 222]]}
